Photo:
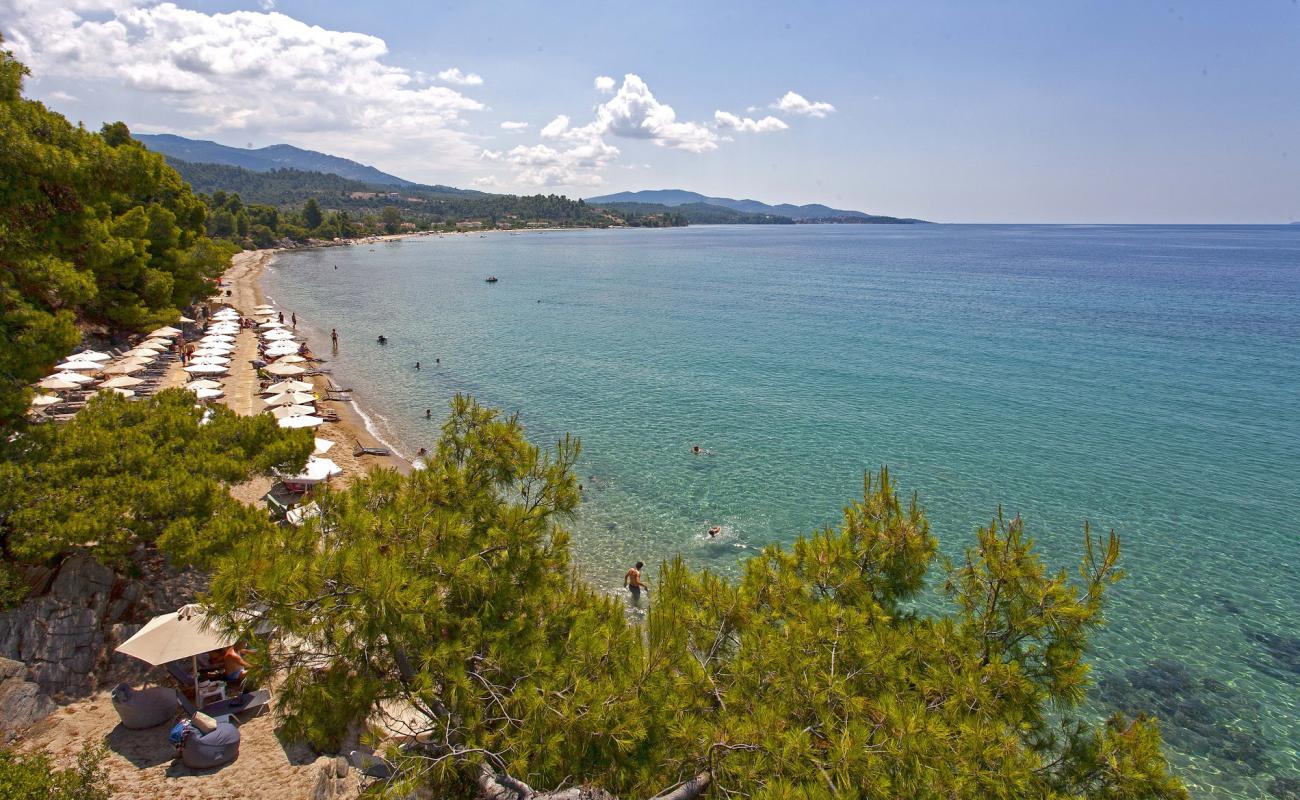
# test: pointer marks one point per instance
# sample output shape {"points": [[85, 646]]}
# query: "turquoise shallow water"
{"points": [[1142, 378]]}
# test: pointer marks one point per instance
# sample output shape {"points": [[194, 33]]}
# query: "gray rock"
{"points": [[22, 703]]}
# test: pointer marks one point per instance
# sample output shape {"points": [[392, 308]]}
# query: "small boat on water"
{"points": [[491, 279]]}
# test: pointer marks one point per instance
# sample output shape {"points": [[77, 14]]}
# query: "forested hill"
{"points": [[698, 214], [265, 159], [813, 212], [287, 186]]}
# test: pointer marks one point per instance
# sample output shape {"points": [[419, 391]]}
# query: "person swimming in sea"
{"points": [[382, 339], [428, 413], [417, 365], [695, 448], [714, 531]]}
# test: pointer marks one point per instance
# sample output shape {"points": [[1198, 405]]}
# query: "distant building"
{"points": [[407, 226], [363, 195], [469, 223]]}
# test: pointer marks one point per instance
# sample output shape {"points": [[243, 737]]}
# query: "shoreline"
{"points": [[243, 282]]}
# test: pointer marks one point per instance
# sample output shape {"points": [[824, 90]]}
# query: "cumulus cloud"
{"points": [[247, 72], [514, 127], [634, 112], [542, 165], [555, 128], [605, 84], [725, 120], [485, 181], [794, 103], [455, 76]]}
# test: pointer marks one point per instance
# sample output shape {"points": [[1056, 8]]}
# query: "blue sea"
{"points": [[1141, 378]]}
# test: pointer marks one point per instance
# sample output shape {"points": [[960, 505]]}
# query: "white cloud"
{"points": [[267, 5], [514, 127], [605, 84], [795, 103], [542, 165], [486, 181], [455, 76], [634, 112], [63, 97], [555, 128], [248, 72], [725, 120]]}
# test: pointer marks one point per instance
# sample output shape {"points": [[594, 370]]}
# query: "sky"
{"points": [[1097, 112]]}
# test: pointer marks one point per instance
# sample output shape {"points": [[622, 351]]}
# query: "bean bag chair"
{"points": [[209, 743], [144, 708]]}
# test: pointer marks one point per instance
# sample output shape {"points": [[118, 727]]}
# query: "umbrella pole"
{"points": [[194, 665]]}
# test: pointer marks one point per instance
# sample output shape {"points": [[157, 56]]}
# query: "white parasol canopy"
{"points": [[142, 354], [290, 399], [92, 355], [272, 324], [214, 350], [281, 412], [185, 319], [287, 386], [71, 377], [301, 422], [210, 359], [155, 344], [57, 383], [183, 633], [165, 332], [208, 394], [121, 382], [284, 370], [203, 383], [81, 365], [279, 334], [124, 367], [113, 390], [280, 349], [46, 400], [317, 470], [323, 446], [207, 369]]}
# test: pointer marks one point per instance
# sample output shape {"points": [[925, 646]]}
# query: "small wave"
{"points": [[373, 429]]}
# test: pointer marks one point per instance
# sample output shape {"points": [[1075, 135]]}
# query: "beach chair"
{"points": [[362, 450], [247, 701]]}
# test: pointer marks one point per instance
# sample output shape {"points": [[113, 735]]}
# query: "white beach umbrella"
{"points": [[142, 354], [211, 348], [317, 470], [217, 338], [203, 383], [272, 324], [208, 394], [92, 355], [224, 327], [225, 313], [282, 349], [207, 369], [124, 367], [288, 386], [156, 344], [221, 360], [58, 384], [301, 422], [185, 320], [264, 307], [291, 358], [277, 335], [46, 400], [81, 365], [73, 377], [121, 382], [284, 370], [165, 332], [111, 390], [323, 446], [280, 412], [290, 399], [181, 634]]}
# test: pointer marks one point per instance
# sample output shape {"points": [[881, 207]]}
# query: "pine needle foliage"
{"points": [[125, 473], [443, 606], [94, 228]]}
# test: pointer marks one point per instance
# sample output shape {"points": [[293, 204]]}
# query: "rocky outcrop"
{"points": [[22, 703], [64, 634], [335, 780]]}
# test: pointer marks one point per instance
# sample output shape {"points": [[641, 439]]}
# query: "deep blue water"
{"points": [[1145, 379]]}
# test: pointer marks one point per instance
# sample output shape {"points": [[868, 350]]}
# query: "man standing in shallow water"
{"points": [[632, 580]]}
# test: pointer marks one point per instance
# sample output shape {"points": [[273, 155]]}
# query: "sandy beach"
{"points": [[243, 282]]}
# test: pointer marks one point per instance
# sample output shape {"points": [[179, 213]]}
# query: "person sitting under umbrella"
{"points": [[229, 663]]}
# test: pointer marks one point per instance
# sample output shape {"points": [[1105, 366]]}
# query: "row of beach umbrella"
{"points": [[91, 368]]}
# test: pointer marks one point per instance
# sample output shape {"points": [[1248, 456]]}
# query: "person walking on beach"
{"points": [[334, 337], [632, 580], [281, 317], [294, 318]]}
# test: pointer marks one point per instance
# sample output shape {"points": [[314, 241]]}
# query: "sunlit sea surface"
{"points": [[1145, 379]]}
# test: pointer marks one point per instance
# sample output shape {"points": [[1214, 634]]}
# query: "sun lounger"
{"points": [[362, 450]]}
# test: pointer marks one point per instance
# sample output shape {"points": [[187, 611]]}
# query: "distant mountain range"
{"points": [[265, 159], [806, 213]]}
